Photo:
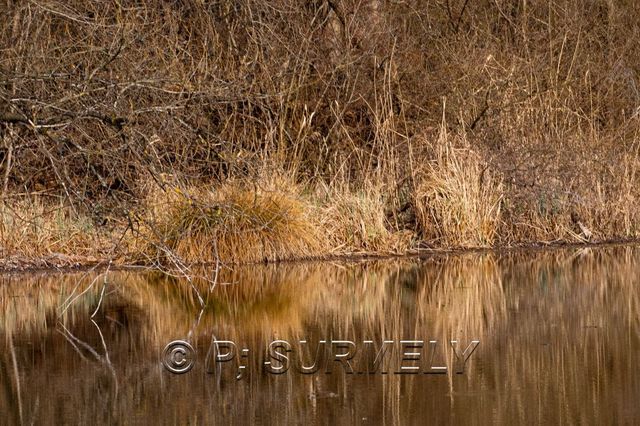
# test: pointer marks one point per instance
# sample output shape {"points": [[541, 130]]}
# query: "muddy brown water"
{"points": [[557, 332]]}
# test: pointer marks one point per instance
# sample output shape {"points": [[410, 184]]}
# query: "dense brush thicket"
{"points": [[99, 98]]}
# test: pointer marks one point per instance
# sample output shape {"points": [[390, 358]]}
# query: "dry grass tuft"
{"points": [[232, 223], [356, 222], [457, 199], [52, 234]]}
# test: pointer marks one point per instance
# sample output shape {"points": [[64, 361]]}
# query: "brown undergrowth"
{"points": [[163, 130]]}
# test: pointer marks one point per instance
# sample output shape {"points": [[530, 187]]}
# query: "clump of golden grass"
{"points": [[51, 232], [356, 221], [230, 223], [457, 199]]}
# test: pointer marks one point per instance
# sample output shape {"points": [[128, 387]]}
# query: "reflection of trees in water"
{"points": [[556, 328]]}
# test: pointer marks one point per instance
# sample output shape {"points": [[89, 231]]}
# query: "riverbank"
{"points": [[455, 204], [63, 263], [247, 132]]}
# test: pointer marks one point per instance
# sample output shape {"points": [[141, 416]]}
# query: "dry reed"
{"points": [[539, 100]]}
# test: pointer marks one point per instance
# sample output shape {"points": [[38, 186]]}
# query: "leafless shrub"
{"points": [[97, 98]]}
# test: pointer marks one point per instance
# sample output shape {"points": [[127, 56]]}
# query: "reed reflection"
{"points": [[558, 332]]}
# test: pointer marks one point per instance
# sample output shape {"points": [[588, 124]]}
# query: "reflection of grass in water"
{"points": [[461, 296], [574, 314], [459, 291], [260, 298], [546, 321], [581, 307], [31, 303]]}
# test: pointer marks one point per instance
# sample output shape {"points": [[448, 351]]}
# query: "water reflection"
{"points": [[558, 331]]}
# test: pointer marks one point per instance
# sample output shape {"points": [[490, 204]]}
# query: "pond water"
{"points": [[557, 332]]}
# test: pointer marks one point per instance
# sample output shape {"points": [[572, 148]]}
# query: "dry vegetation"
{"points": [[228, 223], [154, 131]]}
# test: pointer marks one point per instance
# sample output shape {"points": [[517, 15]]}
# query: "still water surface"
{"points": [[558, 336]]}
